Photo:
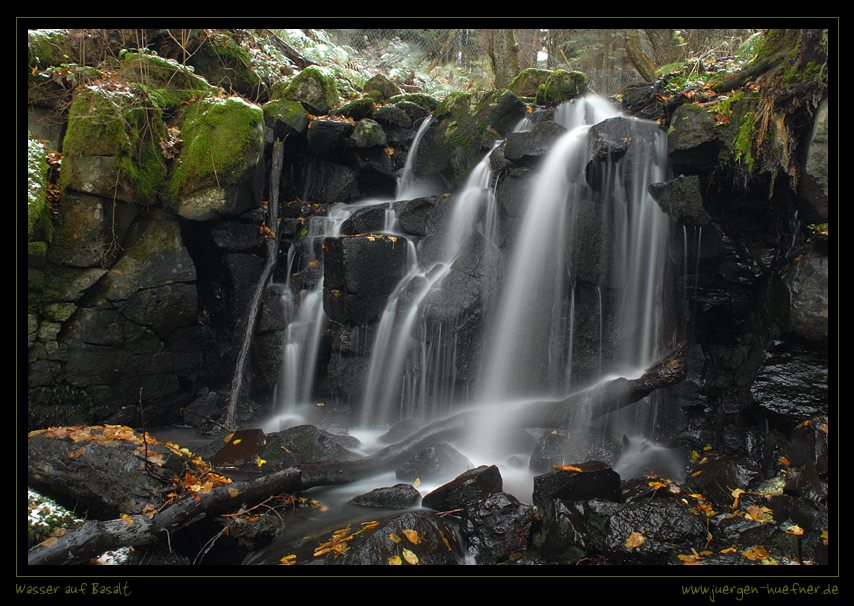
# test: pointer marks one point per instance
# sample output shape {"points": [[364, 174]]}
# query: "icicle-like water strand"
{"points": [[408, 185]]}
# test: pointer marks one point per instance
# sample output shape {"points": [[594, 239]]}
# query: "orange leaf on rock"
{"points": [[784, 460], [127, 519], [760, 514], [288, 560], [233, 492], [689, 559], [757, 552], [795, 530], [634, 540], [568, 468], [729, 550], [394, 538], [736, 495], [656, 484], [395, 561], [411, 536]]}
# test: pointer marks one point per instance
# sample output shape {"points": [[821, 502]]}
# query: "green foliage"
{"points": [[750, 48], [314, 87], [36, 186], [357, 109], [724, 106], [165, 82], [743, 143], [48, 47], [561, 86], [425, 101], [526, 82], [46, 518]]}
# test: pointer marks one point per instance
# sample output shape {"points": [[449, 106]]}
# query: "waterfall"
{"points": [[408, 185]]}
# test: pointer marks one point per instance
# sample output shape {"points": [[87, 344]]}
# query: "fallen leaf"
{"points": [[704, 460], [395, 561], [394, 538], [76, 453], [370, 525], [689, 559], [784, 460], [568, 468], [127, 519], [696, 473], [237, 441], [757, 552], [634, 540], [225, 439], [412, 536], [448, 545], [760, 514], [707, 447], [802, 425], [736, 495], [410, 556], [824, 536], [795, 530], [729, 550], [288, 560], [674, 489], [416, 483], [656, 484], [149, 510], [233, 492], [695, 456], [259, 460]]}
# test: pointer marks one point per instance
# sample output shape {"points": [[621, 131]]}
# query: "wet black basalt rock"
{"points": [[527, 147], [468, 488], [303, 444], [496, 527], [399, 496], [434, 463], [596, 480]]}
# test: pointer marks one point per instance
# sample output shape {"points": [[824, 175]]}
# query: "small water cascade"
{"points": [[409, 186]]}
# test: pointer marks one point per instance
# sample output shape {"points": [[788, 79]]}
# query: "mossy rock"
{"points": [[59, 284], [368, 134], [561, 86], [47, 47], [381, 83], [357, 109], [526, 83], [111, 146], [312, 87], [165, 82], [284, 116], [425, 101], [464, 127], [374, 94], [37, 212], [221, 154], [222, 61]]}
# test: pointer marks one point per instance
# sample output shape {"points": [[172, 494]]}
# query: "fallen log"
{"points": [[95, 537]]}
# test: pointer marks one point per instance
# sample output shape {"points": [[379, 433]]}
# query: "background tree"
{"points": [[503, 54]]}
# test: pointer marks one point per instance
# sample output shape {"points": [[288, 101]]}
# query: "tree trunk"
{"points": [[95, 537], [269, 265], [503, 53], [640, 60], [664, 51], [606, 50]]}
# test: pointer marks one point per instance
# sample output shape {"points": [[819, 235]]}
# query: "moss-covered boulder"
{"points": [[165, 82], [220, 161], [561, 86], [464, 126], [425, 101], [47, 47], [111, 147], [36, 187], [312, 87], [90, 230], [526, 83], [357, 109], [222, 61], [693, 140], [368, 134], [381, 83], [285, 116]]}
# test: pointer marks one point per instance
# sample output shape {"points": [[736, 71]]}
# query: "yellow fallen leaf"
{"points": [[795, 530], [689, 559], [226, 438], [445, 540], [233, 492], [416, 483], [410, 556], [259, 460], [394, 538], [127, 519], [696, 473], [656, 484], [186, 451], [729, 550], [784, 460], [634, 540], [736, 495], [697, 495], [237, 441], [759, 514], [395, 561], [411, 536], [757, 552], [824, 536], [369, 525], [288, 560], [568, 468], [707, 447], [695, 456], [704, 460]]}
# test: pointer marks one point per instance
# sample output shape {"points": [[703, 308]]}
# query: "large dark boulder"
{"points": [[497, 527], [434, 463], [325, 137], [720, 476], [359, 274], [468, 488], [527, 147], [304, 444], [807, 282], [682, 199], [233, 236], [692, 141], [382, 85], [399, 496], [422, 538], [422, 216], [328, 182], [596, 480], [791, 384], [365, 220], [812, 190]]}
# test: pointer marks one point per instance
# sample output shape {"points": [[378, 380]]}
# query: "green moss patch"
{"points": [[357, 109], [561, 86], [285, 114], [36, 186], [425, 101], [312, 87], [165, 82], [526, 83], [222, 61], [48, 47]]}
